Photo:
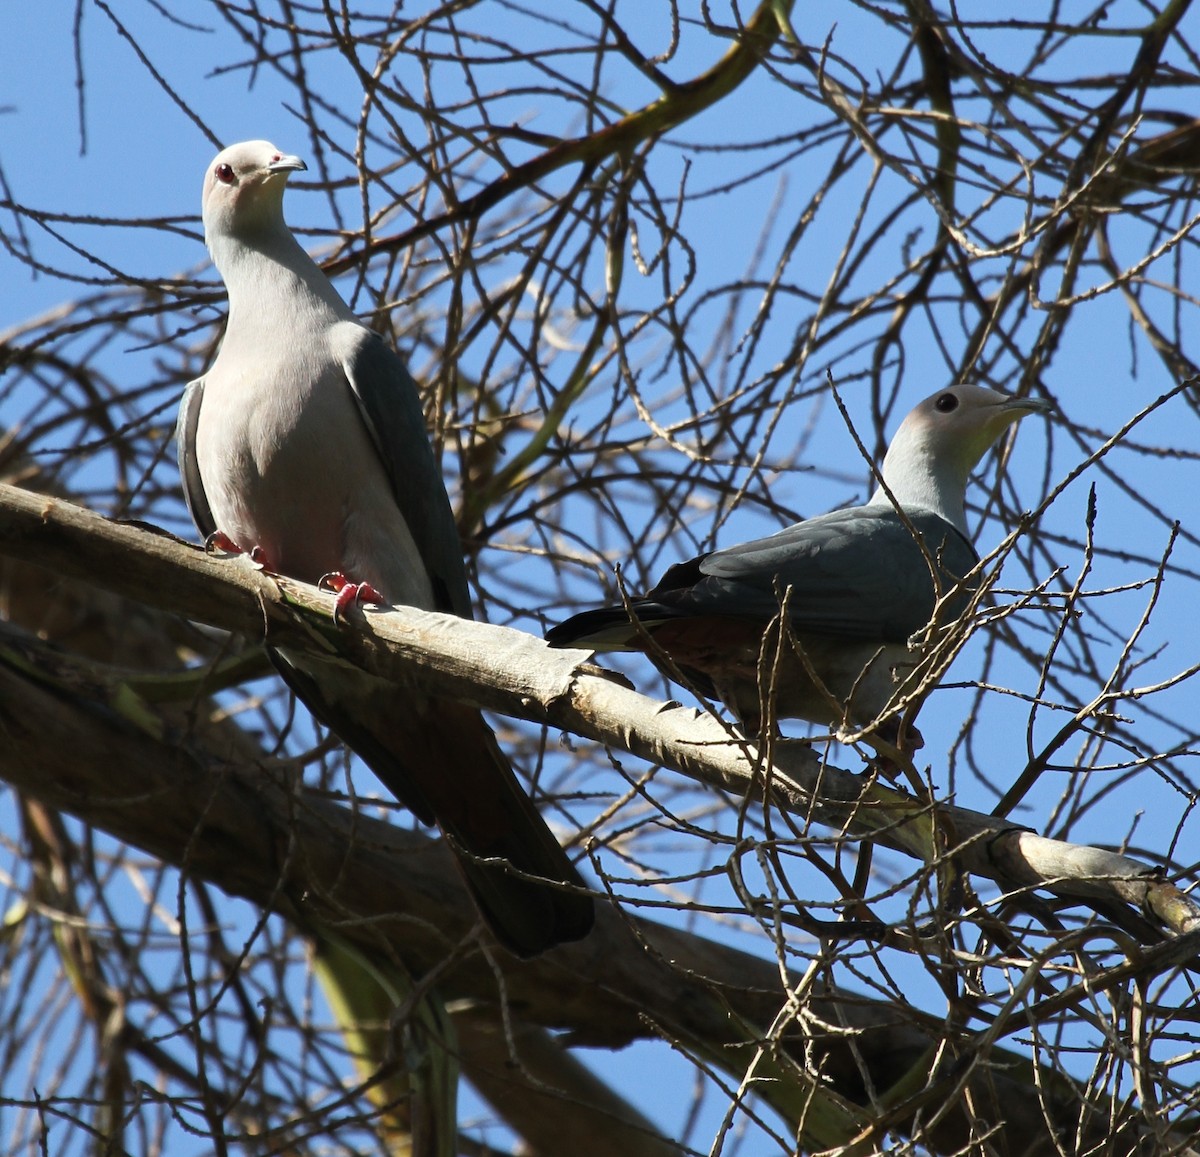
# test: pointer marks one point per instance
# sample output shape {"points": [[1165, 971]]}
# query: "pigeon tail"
{"points": [[440, 759]]}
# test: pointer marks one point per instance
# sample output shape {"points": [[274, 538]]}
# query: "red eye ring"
{"points": [[225, 174]]}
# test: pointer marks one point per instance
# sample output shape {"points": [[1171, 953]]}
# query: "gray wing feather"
{"points": [[855, 573], [185, 449], [390, 405]]}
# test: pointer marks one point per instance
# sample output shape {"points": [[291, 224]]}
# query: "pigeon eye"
{"points": [[946, 403], [225, 174]]}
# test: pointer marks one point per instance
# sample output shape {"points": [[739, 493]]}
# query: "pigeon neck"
{"points": [[919, 480], [267, 273]]}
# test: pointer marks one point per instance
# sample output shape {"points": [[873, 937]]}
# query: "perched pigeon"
{"points": [[857, 583], [305, 445]]}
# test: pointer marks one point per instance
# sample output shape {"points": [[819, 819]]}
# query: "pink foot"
{"points": [[349, 594], [219, 540]]}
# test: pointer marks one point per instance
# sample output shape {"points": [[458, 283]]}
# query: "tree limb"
{"points": [[508, 671]]}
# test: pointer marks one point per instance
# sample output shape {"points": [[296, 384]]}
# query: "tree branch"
{"points": [[515, 674], [253, 831]]}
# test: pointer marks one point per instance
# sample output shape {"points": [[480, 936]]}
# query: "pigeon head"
{"points": [[243, 191], [941, 442]]}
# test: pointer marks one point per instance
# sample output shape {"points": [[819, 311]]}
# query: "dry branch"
{"points": [[249, 828], [510, 672]]}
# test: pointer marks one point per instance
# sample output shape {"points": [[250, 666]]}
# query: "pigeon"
{"points": [[304, 445], [856, 585]]}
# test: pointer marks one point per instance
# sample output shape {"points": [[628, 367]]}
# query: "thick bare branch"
{"points": [[253, 832], [510, 672]]}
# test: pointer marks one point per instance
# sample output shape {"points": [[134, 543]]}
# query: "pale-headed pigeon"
{"points": [[305, 445], [857, 583]]}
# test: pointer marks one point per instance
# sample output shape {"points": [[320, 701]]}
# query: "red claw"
{"points": [[349, 594], [219, 540]]}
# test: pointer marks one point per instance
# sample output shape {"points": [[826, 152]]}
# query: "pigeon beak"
{"points": [[997, 416], [1022, 406], [286, 164]]}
